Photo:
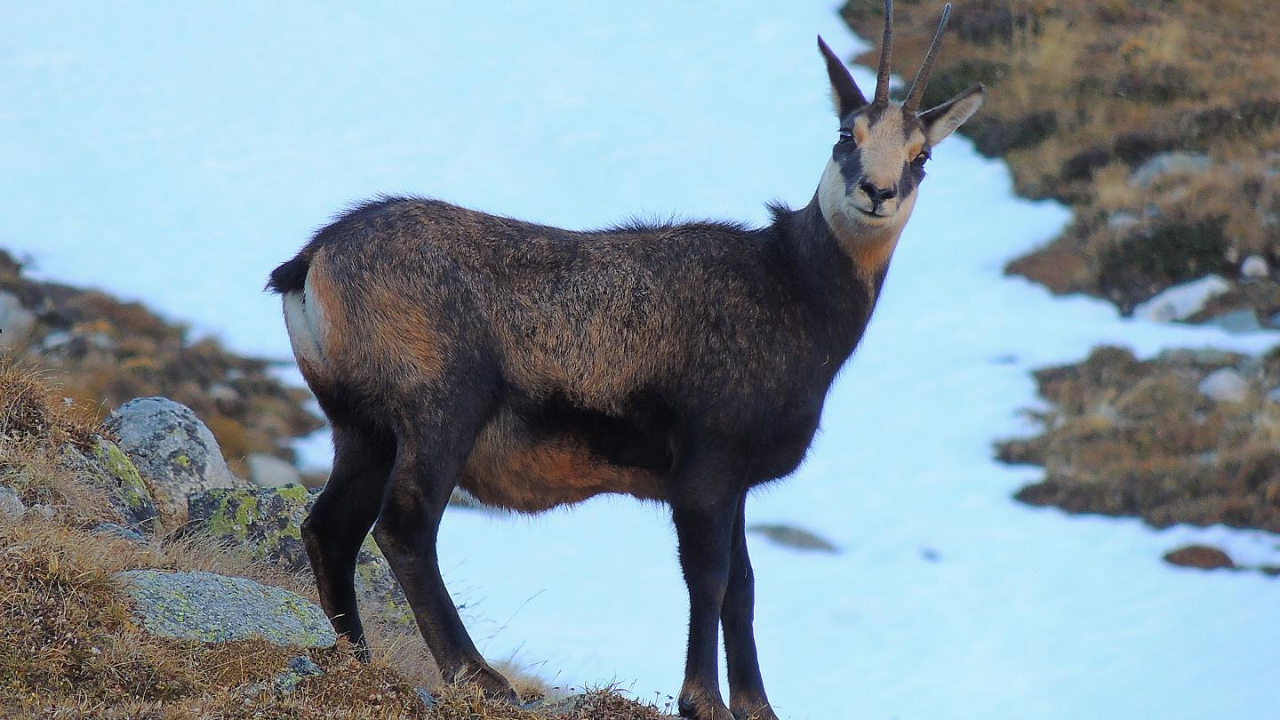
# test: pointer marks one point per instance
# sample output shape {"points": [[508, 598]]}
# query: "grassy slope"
{"points": [[69, 648], [1083, 92]]}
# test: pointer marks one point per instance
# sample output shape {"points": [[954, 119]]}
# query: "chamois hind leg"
{"points": [[704, 498], [429, 463], [747, 698], [339, 521]]}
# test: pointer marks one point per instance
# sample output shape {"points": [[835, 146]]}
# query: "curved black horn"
{"points": [[916, 93], [886, 57]]}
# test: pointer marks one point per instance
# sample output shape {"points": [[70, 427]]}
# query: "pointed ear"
{"points": [[844, 91], [944, 119]]}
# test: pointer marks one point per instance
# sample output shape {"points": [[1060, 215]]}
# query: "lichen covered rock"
{"points": [[173, 451], [106, 467], [211, 608], [268, 522]]}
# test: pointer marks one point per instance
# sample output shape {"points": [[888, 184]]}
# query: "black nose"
{"points": [[876, 194]]}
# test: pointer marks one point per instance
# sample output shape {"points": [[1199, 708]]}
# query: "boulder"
{"points": [[107, 468], [173, 451], [211, 608], [271, 471], [1225, 385], [1182, 301], [15, 321], [268, 523]]}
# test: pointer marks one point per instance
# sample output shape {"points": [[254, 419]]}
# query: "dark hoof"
{"points": [[703, 708], [491, 683]]}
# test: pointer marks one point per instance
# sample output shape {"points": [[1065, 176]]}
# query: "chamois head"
{"points": [[878, 161]]}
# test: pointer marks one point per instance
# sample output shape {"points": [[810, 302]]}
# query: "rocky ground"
{"points": [[115, 603], [103, 352], [1157, 124]]}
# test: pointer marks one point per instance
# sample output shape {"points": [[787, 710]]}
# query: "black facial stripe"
{"points": [[849, 160]]}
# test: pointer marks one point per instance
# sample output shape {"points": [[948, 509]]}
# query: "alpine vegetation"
{"points": [[534, 367]]}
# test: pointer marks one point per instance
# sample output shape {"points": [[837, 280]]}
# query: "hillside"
{"points": [[102, 352]]}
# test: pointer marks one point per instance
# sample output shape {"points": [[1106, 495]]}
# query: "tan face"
{"points": [[870, 182]]}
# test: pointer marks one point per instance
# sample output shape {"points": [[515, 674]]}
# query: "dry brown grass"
{"points": [[69, 647], [1082, 92], [1129, 437]]}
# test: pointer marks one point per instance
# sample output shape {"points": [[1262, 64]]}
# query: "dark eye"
{"points": [[846, 135], [921, 159]]}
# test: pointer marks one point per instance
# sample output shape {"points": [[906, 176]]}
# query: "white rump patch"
{"points": [[305, 322]]}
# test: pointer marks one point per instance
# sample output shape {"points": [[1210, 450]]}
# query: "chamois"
{"points": [[535, 366]]}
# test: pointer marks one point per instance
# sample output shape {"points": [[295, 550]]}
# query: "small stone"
{"points": [[1182, 301], [1255, 267], [271, 471], [11, 506], [794, 537], [1225, 385], [428, 700], [1274, 395], [15, 321], [48, 512], [1200, 556]]}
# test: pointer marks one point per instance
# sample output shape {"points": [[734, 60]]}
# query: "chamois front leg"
{"points": [[747, 698], [704, 517], [423, 478]]}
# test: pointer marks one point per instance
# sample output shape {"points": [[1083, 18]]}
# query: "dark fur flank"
{"points": [[533, 366]]}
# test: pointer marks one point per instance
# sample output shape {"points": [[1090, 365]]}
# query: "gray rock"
{"points": [[428, 700], [11, 506], [298, 669], [15, 321], [1237, 321], [174, 452], [1225, 385], [106, 467], [1168, 163], [268, 523], [793, 537], [211, 608], [119, 531], [1274, 395], [271, 471], [1182, 301], [1255, 267]]}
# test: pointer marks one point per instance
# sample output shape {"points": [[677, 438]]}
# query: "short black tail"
{"points": [[291, 276]]}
